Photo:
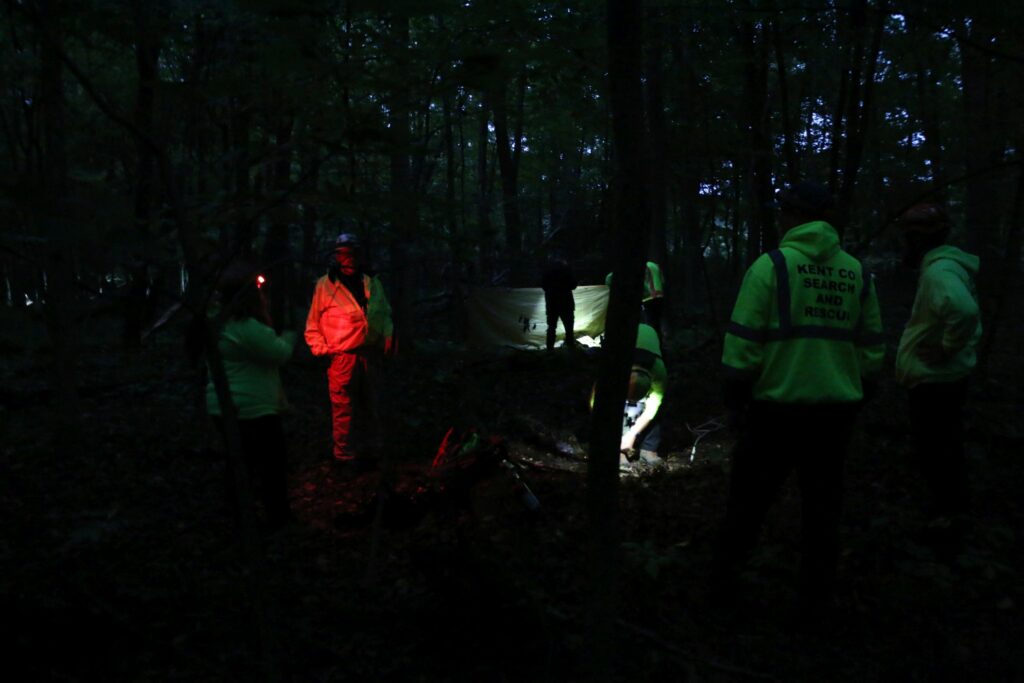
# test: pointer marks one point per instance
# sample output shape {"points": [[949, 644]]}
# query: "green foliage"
{"points": [[245, 89]]}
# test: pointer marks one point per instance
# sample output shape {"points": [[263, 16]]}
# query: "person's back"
{"points": [[558, 281], [945, 315], [803, 342], [936, 354], [798, 326], [252, 353]]}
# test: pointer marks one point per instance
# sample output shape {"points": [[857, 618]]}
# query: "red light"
{"points": [[260, 280]]}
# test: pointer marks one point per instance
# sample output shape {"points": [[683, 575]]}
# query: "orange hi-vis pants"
{"points": [[353, 406]]}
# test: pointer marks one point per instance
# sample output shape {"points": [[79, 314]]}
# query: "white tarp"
{"points": [[516, 316]]}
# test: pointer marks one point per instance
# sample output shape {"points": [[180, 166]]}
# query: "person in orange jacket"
{"points": [[349, 322]]}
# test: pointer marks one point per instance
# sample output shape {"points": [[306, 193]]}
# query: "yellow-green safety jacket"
{"points": [[252, 354], [654, 284], [648, 356], [806, 327], [945, 313]]}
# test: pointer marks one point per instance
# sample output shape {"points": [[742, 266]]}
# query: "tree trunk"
{"points": [[404, 214], [277, 257], [312, 263], [792, 172], [761, 234], [982, 153], [851, 38], [463, 198], [1009, 270], [689, 273], [484, 195], [509, 170], [241, 240], [630, 229], [52, 223], [861, 108], [852, 96], [452, 221], [927, 106], [658, 172], [147, 54], [735, 219], [931, 129]]}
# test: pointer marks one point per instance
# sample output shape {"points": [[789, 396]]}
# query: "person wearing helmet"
{"points": [[803, 343], [349, 322], [936, 354]]}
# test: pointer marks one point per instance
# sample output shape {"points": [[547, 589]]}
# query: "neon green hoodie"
{"points": [[945, 312], [654, 283], [806, 327], [648, 356], [647, 341], [252, 354]]}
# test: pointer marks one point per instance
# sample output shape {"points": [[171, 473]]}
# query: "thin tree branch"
{"points": [[931, 192], [985, 49]]}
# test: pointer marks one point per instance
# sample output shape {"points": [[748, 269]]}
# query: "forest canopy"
{"points": [[466, 140]]}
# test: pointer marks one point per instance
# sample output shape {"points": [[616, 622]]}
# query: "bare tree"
{"points": [[630, 227]]}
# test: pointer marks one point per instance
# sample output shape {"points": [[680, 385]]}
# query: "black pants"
{"points": [[264, 455], [937, 429], [560, 306], [775, 440], [650, 313]]}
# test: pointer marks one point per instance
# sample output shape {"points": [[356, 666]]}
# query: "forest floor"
{"points": [[118, 560]]}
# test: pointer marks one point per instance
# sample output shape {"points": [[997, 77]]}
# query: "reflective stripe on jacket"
{"points": [[337, 323], [806, 326]]}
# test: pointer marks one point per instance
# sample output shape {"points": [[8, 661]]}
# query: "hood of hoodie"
{"points": [[968, 262], [817, 240]]}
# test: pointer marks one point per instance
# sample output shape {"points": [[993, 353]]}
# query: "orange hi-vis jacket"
{"points": [[338, 324]]}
